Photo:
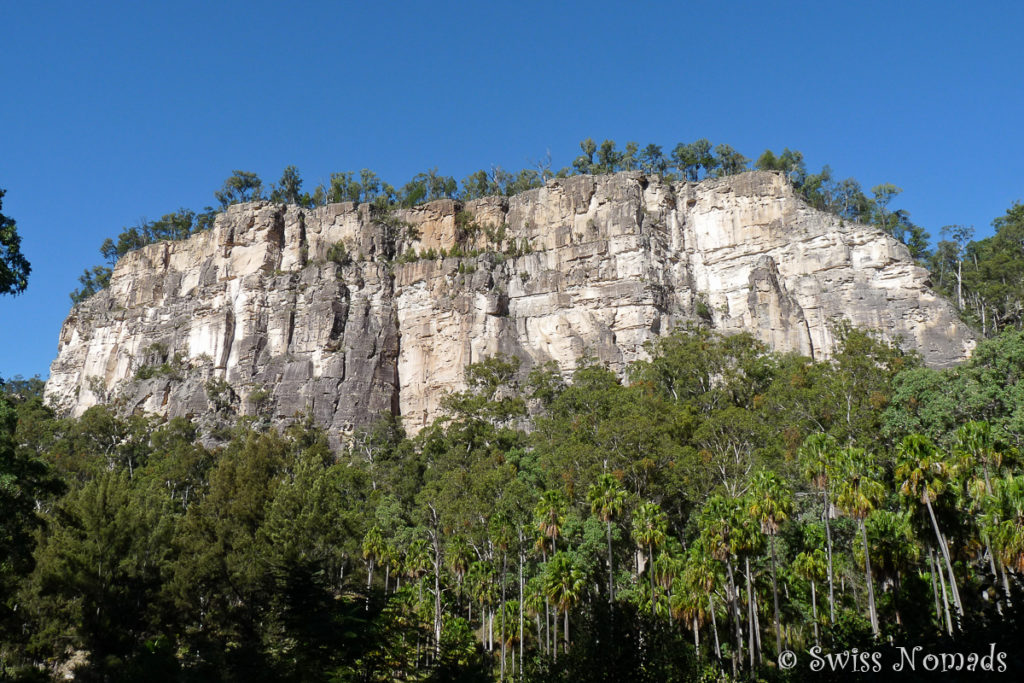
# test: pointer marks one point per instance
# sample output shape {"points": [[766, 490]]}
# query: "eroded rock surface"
{"points": [[252, 317]]}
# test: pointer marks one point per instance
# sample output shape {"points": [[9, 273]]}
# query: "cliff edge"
{"points": [[344, 312]]}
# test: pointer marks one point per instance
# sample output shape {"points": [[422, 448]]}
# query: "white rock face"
{"points": [[250, 316]]}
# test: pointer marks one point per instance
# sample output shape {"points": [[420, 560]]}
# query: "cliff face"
{"points": [[253, 317]]}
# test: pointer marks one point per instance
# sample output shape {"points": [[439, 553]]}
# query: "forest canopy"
{"points": [[725, 504]]}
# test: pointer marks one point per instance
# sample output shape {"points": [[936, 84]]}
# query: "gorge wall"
{"points": [[252, 316]]}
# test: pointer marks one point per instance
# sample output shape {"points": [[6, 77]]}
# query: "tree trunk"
{"points": [[522, 604], [871, 588], [714, 627], [945, 556], [650, 571], [737, 625], [828, 546], [945, 600], [554, 636], [775, 596], [814, 612], [935, 588], [567, 630], [611, 570], [696, 637], [751, 646], [504, 571]]}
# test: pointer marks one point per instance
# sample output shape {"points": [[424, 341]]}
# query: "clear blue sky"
{"points": [[113, 111]]}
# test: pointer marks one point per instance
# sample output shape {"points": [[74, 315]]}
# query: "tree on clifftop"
{"points": [[14, 268]]}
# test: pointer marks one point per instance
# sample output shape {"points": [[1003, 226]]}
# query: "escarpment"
{"points": [[344, 312]]}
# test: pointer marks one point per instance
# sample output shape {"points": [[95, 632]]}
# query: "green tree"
{"points": [[771, 503], [922, 471], [242, 186], [859, 490], [14, 267], [607, 499], [650, 529], [564, 581]]}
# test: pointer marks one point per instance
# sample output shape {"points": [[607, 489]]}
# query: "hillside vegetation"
{"points": [[727, 504]]}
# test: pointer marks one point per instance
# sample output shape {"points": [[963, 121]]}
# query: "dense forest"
{"points": [[723, 505], [718, 507]]}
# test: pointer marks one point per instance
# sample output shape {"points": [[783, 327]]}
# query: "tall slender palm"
{"points": [[818, 456], [564, 581], [724, 531], [975, 451], [894, 549], [1004, 521], [691, 594], [811, 568], [858, 492], [417, 563], [550, 515], [922, 471], [607, 498], [650, 527], [374, 549], [771, 503], [458, 556]]}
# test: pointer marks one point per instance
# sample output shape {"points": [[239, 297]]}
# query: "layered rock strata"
{"points": [[347, 313]]}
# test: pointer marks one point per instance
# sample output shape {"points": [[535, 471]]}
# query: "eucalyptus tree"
{"points": [[771, 503], [607, 499], [14, 268], [859, 491], [923, 471]]}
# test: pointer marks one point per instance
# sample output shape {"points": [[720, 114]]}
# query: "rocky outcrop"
{"points": [[345, 313]]}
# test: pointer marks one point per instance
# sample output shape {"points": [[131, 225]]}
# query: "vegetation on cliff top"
{"points": [[984, 278], [687, 161]]}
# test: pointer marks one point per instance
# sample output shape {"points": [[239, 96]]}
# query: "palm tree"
{"points": [[725, 531], [691, 593], [922, 471], [458, 556], [550, 514], [374, 550], [417, 562], [858, 492], [607, 498], [811, 568], [480, 583], [649, 530], [564, 581], [894, 548], [771, 503], [818, 455], [974, 449], [1004, 521]]}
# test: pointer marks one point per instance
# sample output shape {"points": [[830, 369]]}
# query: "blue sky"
{"points": [[111, 112]]}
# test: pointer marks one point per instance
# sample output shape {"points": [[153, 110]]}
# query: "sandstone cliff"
{"points": [[252, 317]]}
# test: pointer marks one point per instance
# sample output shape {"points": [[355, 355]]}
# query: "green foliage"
{"points": [[241, 186], [339, 254], [14, 267], [579, 528]]}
